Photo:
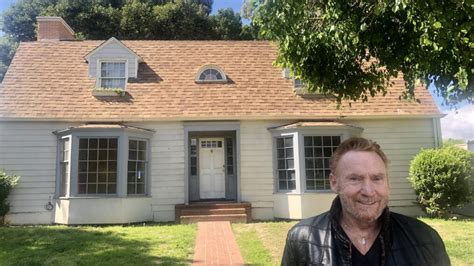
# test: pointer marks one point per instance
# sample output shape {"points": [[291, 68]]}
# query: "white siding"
{"points": [[256, 178], [401, 140], [28, 149], [167, 168], [113, 51]]}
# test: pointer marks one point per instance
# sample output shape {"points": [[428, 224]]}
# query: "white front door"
{"points": [[211, 168]]}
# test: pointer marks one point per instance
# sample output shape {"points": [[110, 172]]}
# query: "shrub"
{"points": [[7, 182], [440, 178]]}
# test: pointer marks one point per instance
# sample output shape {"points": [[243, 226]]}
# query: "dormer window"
{"points": [[112, 75], [211, 74]]}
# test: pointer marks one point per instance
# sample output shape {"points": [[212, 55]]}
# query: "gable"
{"points": [[113, 50]]}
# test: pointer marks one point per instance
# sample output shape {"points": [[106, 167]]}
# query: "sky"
{"points": [[457, 124]]}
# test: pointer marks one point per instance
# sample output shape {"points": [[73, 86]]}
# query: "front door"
{"points": [[211, 168]]}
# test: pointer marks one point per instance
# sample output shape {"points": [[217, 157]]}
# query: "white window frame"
{"points": [[207, 67], [123, 135], [299, 156], [147, 164], [99, 72]]}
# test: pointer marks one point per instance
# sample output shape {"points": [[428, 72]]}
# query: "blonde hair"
{"points": [[356, 144]]}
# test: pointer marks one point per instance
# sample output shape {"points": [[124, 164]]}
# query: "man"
{"points": [[359, 229]]}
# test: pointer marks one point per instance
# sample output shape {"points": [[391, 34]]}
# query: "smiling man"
{"points": [[359, 229]]}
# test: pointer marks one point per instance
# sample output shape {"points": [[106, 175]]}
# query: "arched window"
{"points": [[211, 74]]}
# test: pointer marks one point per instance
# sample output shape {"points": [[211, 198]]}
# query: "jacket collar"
{"points": [[339, 235]]}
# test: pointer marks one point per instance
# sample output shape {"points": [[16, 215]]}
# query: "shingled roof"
{"points": [[49, 81]]}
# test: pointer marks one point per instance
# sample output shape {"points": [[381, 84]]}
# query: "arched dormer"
{"points": [[211, 74]]}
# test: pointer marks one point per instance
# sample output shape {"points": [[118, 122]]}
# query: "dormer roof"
{"points": [[107, 43]]}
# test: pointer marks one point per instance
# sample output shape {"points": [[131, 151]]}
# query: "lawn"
{"points": [[263, 243], [105, 245]]}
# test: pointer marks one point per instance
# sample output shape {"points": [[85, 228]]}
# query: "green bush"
{"points": [[440, 178], [7, 182]]}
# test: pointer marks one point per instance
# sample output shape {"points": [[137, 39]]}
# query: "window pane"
{"points": [[97, 166], [137, 164], [111, 188], [83, 143], [132, 155], [321, 147], [112, 143], [285, 163], [82, 155], [102, 177], [308, 141]]}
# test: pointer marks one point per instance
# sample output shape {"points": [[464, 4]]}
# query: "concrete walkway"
{"points": [[216, 245]]}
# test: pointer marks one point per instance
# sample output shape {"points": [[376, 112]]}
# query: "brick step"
{"points": [[213, 205], [210, 211], [233, 218]]}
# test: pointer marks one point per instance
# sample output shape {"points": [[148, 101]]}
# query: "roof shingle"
{"points": [[49, 81]]}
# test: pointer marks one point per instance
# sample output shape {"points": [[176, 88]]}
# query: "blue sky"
{"points": [[457, 123]]}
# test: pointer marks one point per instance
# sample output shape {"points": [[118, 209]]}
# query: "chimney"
{"points": [[53, 29]]}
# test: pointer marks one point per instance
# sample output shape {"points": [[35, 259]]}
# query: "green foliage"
{"points": [[440, 178], [353, 48], [7, 182], [124, 19]]}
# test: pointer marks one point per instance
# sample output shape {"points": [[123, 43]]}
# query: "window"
{"points": [[97, 167], [298, 83], [102, 160], [317, 153], [211, 74], [112, 75], [64, 165], [285, 163], [137, 166], [229, 156], [193, 163]]}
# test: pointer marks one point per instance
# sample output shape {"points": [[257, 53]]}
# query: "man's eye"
{"points": [[377, 178], [353, 178]]}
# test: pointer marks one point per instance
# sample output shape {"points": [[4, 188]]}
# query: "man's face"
{"points": [[361, 181]]}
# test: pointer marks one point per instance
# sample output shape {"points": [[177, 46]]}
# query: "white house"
{"points": [[127, 131]]}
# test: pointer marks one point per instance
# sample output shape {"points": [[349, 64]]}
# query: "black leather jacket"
{"points": [[405, 241]]}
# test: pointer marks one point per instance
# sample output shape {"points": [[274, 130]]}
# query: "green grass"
{"points": [[262, 243], [108, 245], [458, 237], [258, 241]]}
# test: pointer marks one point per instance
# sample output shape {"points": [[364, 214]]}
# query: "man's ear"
{"points": [[333, 182]]}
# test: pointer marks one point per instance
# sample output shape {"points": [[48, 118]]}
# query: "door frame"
{"points": [[229, 129]]}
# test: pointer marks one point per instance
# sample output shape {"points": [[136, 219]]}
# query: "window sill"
{"points": [[108, 92]]}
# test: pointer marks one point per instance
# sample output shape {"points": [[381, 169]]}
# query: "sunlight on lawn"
{"points": [[104, 245]]}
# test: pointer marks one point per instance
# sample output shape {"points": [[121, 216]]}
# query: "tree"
{"points": [[353, 48], [227, 24]]}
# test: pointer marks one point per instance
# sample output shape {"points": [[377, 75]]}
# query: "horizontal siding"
{"points": [[401, 140], [256, 180], [167, 168], [28, 149]]}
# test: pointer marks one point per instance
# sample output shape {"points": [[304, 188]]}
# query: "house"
{"points": [[128, 131]]}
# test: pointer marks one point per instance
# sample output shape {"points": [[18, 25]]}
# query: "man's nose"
{"points": [[367, 187]]}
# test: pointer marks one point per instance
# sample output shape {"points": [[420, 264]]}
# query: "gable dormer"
{"points": [[112, 63]]}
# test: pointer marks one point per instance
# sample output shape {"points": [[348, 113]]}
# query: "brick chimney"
{"points": [[53, 29]]}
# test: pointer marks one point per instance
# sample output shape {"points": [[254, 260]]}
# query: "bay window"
{"points": [[102, 160], [302, 154]]}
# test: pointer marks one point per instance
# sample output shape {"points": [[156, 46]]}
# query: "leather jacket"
{"points": [[405, 241]]}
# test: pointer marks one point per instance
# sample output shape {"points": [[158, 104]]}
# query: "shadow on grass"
{"points": [[57, 245]]}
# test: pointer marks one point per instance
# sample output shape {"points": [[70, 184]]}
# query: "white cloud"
{"points": [[459, 124]]}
